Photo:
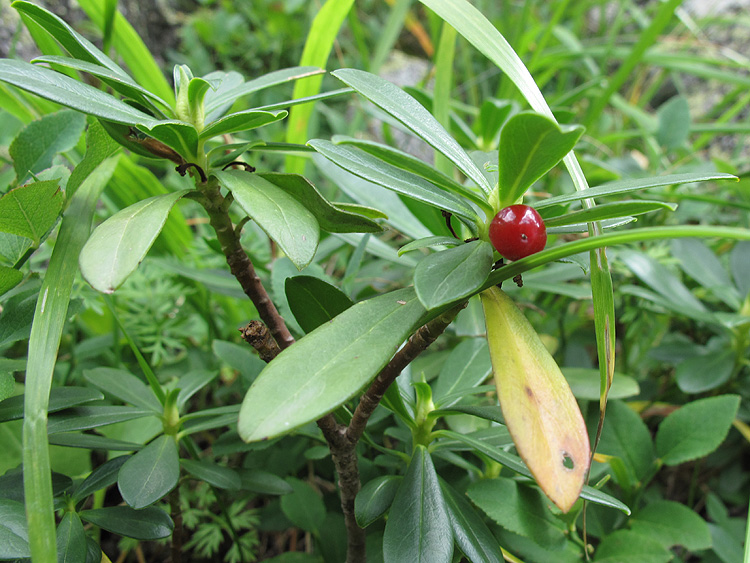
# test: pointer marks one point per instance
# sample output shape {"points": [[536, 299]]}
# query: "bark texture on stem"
{"points": [[242, 268]]}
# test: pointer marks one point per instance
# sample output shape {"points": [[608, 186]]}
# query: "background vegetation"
{"points": [[660, 92]]}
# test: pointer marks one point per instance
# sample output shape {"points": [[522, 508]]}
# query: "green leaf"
{"points": [[631, 185], [739, 260], [123, 85], [706, 371], [31, 211], [328, 366], [92, 442], [240, 357], [472, 535], [467, 366], [450, 275], [264, 482], [118, 245], [366, 166], [625, 546], [671, 523], [514, 463], [626, 436], [150, 523], [607, 211], [530, 146], [701, 264], [332, 218], [14, 534], [413, 115], [282, 217], [520, 509], [230, 90], [7, 385], [318, 46], [584, 383], [63, 90], [418, 528], [59, 398], [44, 341], [241, 121], [100, 478], [150, 474], [37, 144], [427, 242], [182, 137], [674, 123], [373, 195], [77, 45], [192, 382], [99, 146], [659, 278], [9, 278], [125, 386], [71, 539], [85, 418], [696, 429], [303, 507], [212, 473], [413, 164], [375, 498], [314, 301], [131, 49], [18, 314]]}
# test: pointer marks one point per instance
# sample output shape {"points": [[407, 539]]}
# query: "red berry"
{"points": [[518, 231]]}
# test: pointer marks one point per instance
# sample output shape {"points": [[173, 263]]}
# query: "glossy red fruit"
{"points": [[518, 231]]}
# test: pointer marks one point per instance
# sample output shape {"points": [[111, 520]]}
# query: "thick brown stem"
{"points": [[242, 268]]}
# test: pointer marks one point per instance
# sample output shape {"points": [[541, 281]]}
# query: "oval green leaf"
{"points": [[331, 218], [118, 245], [418, 528], [375, 498], [14, 534], [329, 365], [71, 539], [314, 301], [282, 217], [530, 146], [150, 474], [217, 475], [150, 523], [447, 276], [696, 429]]}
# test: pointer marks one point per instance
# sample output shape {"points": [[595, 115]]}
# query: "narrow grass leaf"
{"points": [[49, 318]]}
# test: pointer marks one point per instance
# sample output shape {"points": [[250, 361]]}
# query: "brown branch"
{"points": [[417, 343], [177, 535], [241, 266]]}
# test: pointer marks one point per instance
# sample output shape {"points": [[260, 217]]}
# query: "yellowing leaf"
{"points": [[539, 409]]}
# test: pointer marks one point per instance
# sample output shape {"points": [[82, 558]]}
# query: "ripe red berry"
{"points": [[518, 231]]}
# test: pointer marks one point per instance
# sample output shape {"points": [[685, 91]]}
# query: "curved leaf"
{"points": [[375, 498], [71, 93], [530, 145], [150, 523], [241, 121], [394, 101], [328, 366], [14, 534], [282, 217], [332, 218], [118, 245], [71, 539], [539, 409], [366, 166], [314, 301]]}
